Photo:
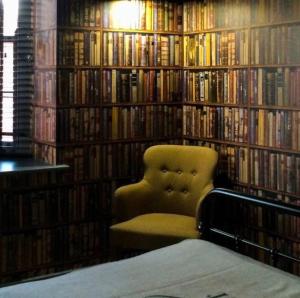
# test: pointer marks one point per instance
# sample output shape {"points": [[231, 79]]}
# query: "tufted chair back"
{"points": [[162, 208], [178, 175]]}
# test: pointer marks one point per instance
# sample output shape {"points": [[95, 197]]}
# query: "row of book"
{"points": [[49, 205], [84, 13], [135, 49], [84, 161], [209, 14], [145, 15], [216, 49], [271, 11], [274, 170], [137, 86], [279, 129], [32, 179], [232, 162], [275, 45], [44, 247], [275, 86], [142, 122], [273, 195], [123, 160], [46, 92], [77, 124], [223, 123], [45, 48], [216, 86], [44, 152], [79, 87], [44, 124], [78, 47], [32, 208]]}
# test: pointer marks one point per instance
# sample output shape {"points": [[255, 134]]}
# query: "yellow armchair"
{"points": [[162, 209]]}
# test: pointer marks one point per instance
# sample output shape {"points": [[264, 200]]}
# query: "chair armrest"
{"points": [[204, 192], [132, 200]]}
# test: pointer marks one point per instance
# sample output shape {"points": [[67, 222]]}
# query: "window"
{"points": [[16, 81]]}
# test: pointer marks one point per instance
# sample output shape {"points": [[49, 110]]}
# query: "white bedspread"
{"points": [[192, 268]]}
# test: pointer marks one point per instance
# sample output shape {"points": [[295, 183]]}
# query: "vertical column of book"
{"points": [[44, 104], [141, 84], [216, 75], [274, 99], [67, 115], [275, 111], [78, 119]]}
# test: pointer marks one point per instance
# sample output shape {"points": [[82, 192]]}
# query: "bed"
{"points": [[192, 268]]}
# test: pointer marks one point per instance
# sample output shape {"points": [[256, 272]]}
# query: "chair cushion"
{"points": [[154, 230]]}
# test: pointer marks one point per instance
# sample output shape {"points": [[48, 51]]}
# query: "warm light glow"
{"points": [[125, 14]]}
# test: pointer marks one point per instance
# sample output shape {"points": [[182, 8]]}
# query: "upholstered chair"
{"points": [[161, 209]]}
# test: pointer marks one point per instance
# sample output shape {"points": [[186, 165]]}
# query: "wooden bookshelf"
{"points": [[222, 108], [106, 92], [94, 109]]}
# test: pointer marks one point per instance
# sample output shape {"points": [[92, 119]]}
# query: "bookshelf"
{"points": [[117, 77], [107, 87], [241, 97], [240, 87]]}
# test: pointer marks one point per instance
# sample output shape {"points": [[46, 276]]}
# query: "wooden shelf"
{"points": [[242, 27], [142, 31], [217, 141], [141, 140], [294, 196], [143, 67], [275, 149], [212, 30], [214, 104], [205, 67], [275, 108], [128, 104]]}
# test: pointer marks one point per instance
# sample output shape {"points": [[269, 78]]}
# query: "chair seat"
{"points": [[154, 230]]}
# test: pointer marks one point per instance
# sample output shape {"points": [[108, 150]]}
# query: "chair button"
{"points": [[185, 191], [194, 172], [164, 170], [179, 172], [169, 189]]}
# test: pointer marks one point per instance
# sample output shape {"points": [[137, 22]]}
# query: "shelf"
{"points": [[141, 140], [243, 27], [127, 104], [212, 30], [275, 149], [214, 104], [142, 31], [63, 144], [238, 144], [275, 24], [200, 139], [205, 67], [42, 226], [143, 67], [265, 107], [295, 196]]}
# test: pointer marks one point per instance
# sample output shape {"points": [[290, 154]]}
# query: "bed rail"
{"points": [[227, 217]]}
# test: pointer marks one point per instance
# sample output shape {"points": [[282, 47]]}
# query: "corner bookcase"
{"points": [[113, 78]]}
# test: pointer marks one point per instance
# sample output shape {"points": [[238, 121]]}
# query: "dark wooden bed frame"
{"points": [[222, 221]]}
